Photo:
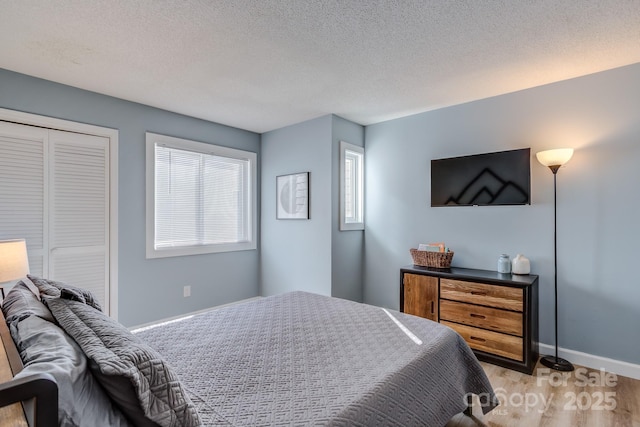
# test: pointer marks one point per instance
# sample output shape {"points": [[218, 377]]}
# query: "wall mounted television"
{"points": [[501, 178]]}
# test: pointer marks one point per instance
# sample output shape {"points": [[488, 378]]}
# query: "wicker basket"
{"points": [[431, 259]]}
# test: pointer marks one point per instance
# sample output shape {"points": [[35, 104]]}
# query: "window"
{"points": [[351, 187], [200, 198]]}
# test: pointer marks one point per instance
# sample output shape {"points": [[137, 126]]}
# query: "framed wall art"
{"points": [[292, 196]]}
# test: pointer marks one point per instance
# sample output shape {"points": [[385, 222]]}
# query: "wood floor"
{"points": [[583, 398]]}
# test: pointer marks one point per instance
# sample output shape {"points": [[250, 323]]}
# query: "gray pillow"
{"points": [[53, 288], [21, 302], [44, 347], [134, 375]]}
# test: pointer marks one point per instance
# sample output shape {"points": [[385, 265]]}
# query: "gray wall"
{"points": [[598, 202], [148, 289], [347, 247], [296, 254], [309, 255]]}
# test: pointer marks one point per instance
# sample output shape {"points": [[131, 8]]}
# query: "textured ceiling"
{"points": [[263, 64]]}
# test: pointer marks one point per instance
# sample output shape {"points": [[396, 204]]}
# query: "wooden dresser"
{"points": [[496, 314]]}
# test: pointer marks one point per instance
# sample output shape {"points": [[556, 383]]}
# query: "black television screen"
{"points": [[502, 178]]}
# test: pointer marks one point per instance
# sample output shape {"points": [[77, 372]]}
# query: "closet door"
{"points": [[79, 211], [23, 188], [54, 192]]}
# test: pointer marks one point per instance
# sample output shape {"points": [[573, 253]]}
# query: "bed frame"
{"points": [[29, 401]]}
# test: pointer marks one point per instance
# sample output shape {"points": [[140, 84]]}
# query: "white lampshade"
{"points": [[557, 157], [14, 263]]}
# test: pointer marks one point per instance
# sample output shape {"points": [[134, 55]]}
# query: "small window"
{"points": [[200, 198], [351, 187]]}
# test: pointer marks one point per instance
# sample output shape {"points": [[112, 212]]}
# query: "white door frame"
{"points": [[20, 117]]}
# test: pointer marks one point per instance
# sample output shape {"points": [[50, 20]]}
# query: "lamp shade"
{"points": [[14, 263], [557, 157]]}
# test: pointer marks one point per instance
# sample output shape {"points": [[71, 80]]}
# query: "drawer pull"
{"points": [[477, 338], [478, 316], [432, 311], [482, 294]]}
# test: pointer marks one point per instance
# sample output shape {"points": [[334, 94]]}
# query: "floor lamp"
{"points": [[554, 159]]}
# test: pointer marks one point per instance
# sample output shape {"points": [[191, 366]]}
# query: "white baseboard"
{"points": [[182, 316], [618, 367]]}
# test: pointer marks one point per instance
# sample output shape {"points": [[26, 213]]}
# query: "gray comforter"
{"points": [[305, 359]]}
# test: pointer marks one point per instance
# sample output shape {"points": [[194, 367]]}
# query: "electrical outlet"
{"points": [[186, 291]]}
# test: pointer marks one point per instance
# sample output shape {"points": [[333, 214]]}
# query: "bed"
{"points": [[291, 359]]}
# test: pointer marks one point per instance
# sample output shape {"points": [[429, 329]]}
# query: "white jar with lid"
{"points": [[520, 265], [504, 264]]}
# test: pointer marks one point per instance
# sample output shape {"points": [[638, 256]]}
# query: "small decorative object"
{"points": [[433, 247], [431, 259], [504, 264], [520, 265], [292, 196]]}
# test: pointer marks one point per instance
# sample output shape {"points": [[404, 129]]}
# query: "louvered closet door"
{"points": [[78, 219], [22, 190], [54, 192]]}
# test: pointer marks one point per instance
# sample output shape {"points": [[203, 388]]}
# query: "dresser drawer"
{"points": [[480, 293], [489, 342], [494, 319]]}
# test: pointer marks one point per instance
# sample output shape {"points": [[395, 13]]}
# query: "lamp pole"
{"points": [[556, 362]]}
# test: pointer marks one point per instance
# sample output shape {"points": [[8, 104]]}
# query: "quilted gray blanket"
{"points": [[305, 359]]}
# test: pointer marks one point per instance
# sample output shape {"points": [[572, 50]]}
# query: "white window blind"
{"points": [[202, 198], [351, 187], [350, 210]]}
